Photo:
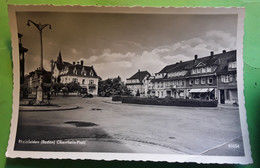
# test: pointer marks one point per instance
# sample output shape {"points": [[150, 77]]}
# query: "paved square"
{"points": [[105, 126]]}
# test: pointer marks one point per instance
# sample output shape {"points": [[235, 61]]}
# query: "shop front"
{"points": [[202, 93]]}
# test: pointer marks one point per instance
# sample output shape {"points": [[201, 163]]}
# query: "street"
{"points": [[106, 126]]}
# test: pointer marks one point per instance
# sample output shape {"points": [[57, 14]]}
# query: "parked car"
{"points": [[87, 96]]}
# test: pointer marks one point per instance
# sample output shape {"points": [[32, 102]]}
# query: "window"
{"points": [[83, 81], [226, 78], [91, 73], [230, 78], [193, 71], [210, 80], [198, 70], [208, 69], [75, 71], [222, 78], [91, 81], [203, 80], [203, 70], [197, 81], [232, 64], [162, 93], [191, 81], [161, 85], [74, 79]]}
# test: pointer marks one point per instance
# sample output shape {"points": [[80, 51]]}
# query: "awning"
{"points": [[204, 90], [210, 89], [195, 91]]}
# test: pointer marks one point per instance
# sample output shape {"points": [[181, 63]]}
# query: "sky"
{"points": [[121, 44]]}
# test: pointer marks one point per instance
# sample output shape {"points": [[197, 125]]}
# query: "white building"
{"points": [[86, 76]]}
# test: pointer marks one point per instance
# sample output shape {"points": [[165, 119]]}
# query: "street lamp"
{"points": [[40, 27], [39, 90]]}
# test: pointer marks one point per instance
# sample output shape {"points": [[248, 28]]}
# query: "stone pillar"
{"points": [[39, 97], [39, 91]]}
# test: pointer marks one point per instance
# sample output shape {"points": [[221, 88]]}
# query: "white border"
{"points": [[128, 156]]}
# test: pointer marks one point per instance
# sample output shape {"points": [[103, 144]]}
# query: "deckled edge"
{"points": [[153, 157]]}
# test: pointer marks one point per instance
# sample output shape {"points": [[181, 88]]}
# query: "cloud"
{"points": [[125, 64], [75, 51]]}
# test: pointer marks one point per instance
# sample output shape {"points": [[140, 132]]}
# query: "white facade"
{"points": [[85, 82]]}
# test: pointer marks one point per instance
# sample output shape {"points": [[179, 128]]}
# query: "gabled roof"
{"points": [[79, 68], [227, 57], [140, 75], [217, 59]]}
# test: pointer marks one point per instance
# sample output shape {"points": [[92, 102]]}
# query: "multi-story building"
{"points": [[65, 72], [227, 80], [138, 83], [211, 77]]}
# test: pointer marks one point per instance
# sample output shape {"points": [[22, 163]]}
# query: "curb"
{"points": [[47, 108]]}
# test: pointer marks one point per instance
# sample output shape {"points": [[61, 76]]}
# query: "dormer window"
{"points": [[91, 73], [203, 70], [208, 69], [83, 72], [198, 70], [193, 71], [75, 71], [232, 64]]}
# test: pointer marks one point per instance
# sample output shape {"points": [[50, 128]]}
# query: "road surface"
{"points": [[100, 125]]}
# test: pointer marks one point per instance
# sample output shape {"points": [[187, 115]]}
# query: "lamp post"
{"points": [[39, 90], [40, 27]]}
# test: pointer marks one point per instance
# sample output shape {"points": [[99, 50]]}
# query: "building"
{"points": [[23, 83], [211, 77], [65, 72], [138, 83], [227, 80]]}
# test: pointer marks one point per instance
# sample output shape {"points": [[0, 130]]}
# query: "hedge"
{"points": [[169, 102]]}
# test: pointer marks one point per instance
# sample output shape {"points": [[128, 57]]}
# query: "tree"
{"points": [[112, 86], [73, 86]]}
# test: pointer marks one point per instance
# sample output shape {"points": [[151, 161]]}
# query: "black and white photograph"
{"points": [[158, 84]]}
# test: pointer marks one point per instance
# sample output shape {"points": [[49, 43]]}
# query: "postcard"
{"points": [[128, 83]]}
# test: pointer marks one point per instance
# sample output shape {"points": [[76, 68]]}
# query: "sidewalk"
{"points": [[48, 108], [228, 106]]}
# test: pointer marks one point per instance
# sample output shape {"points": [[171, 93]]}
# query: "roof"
{"points": [[220, 60], [139, 75], [224, 59], [79, 69], [217, 59]]}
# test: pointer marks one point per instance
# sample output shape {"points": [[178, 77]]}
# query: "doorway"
{"points": [[222, 97]]}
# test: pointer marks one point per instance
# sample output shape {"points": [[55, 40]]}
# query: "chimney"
{"points": [[195, 57], [224, 51], [73, 63], [77, 63], [180, 61], [81, 62], [211, 53]]}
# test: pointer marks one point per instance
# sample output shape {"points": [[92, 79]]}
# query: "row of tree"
{"points": [[106, 88]]}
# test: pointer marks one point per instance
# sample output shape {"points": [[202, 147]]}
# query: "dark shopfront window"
{"points": [[204, 96]]}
